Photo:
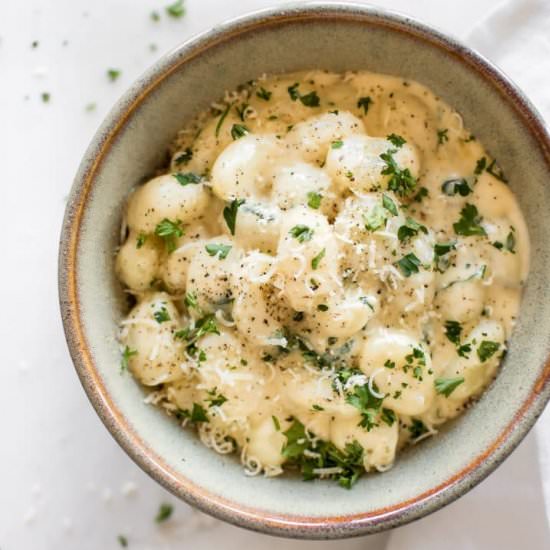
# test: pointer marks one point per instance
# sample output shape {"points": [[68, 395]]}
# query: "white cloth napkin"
{"points": [[508, 510], [517, 38]]}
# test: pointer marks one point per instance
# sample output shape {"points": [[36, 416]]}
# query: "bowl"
{"points": [[133, 141]]}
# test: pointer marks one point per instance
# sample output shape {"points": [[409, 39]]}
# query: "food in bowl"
{"points": [[328, 270]]}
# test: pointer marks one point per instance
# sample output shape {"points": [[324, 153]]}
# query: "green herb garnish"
{"points": [[409, 264], [176, 10], [161, 315], [454, 186], [410, 229], [301, 233], [442, 136], [401, 181], [389, 205], [238, 131], [487, 349], [469, 223], [127, 353], [164, 513], [317, 259], [230, 214], [446, 386], [364, 103], [113, 74], [169, 231], [187, 178], [397, 141], [220, 250], [264, 94], [184, 157], [314, 200]]}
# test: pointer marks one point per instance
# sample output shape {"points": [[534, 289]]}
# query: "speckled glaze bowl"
{"points": [[133, 141]]}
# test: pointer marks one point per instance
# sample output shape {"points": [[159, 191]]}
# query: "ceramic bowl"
{"points": [[133, 141]]}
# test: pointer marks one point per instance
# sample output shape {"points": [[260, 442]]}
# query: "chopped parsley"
{"points": [[442, 136], [276, 423], [364, 103], [123, 541], [388, 416], [185, 157], [322, 307], [176, 10], [264, 94], [453, 186], [453, 331], [375, 218], [241, 111], [487, 349], [220, 250], [127, 353], [215, 399], [440, 249], [140, 241], [316, 407], [509, 244], [409, 264], [401, 181], [314, 200], [491, 168], [238, 131], [422, 192], [45, 96], [161, 315], [301, 233], [337, 144], [169, 231], [469, 223], [195, 415], [317, 259], [164, 513], [440, 252], [367, 404], [113, 74], [396, 141], [310, 454], [309, 100], [205, 325], [446, 386], [190, 301], [221, 119], [417, 428], [410, 229], [230, 214], [389, 205], [187, 178], [155, 16]]}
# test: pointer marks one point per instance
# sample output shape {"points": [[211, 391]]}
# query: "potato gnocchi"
{"points": [[329, 269]]}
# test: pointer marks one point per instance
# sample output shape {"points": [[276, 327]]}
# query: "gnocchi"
{"points": [[329, 269]]}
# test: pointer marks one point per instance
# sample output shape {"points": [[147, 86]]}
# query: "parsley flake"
{"points": [[220, 250], [469, 223], [364, 103], [396, 141], [409, 264], [401, 181], [301, 233], [164, 513], [314, 200], [184, 157], [487, 349], [187, 178], [317, 259], [176, 10], [161, 315], [169, 231], [446, 386], [238, 131], [442, 136], [113, 74], [230, 214], [264, 94], [127, 353], [453, 186]]}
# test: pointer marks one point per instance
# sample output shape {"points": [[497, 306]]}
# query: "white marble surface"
{"points": [[64, 481]]}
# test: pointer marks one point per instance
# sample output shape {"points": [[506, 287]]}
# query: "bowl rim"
{"points": [[288, 525]]}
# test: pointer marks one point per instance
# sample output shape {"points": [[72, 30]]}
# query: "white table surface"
{"points": [[64, 481]]}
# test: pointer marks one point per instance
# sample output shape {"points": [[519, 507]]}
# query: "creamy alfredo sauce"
{"points": [[330, 268]]}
